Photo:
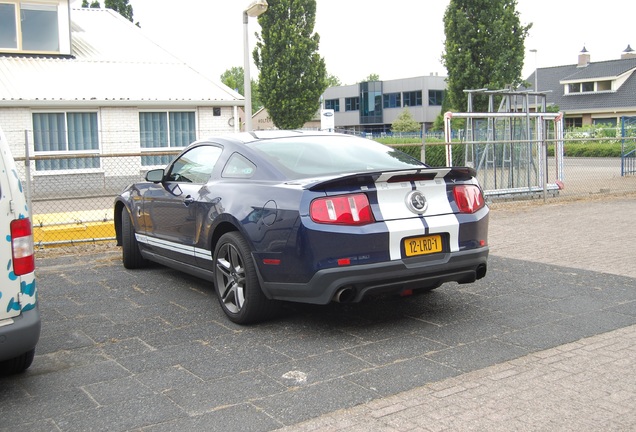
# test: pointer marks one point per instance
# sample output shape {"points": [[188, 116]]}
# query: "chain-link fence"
{"points": [[588, 167], [71, 195]]}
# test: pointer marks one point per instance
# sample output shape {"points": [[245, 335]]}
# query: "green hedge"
{"points": [[436, 153], [589, 150]]}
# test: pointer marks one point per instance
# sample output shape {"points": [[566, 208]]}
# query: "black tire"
{"points": [[17, 364], [236, 283], [130, 254]]}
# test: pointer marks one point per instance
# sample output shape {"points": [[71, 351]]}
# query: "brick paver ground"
{"points": [[587, 385]]}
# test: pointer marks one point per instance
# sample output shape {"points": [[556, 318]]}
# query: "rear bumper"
{"points": [[21, 336], [389, 277]]}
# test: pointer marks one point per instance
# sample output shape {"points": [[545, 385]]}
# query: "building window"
{"points": [[607, 121], [65, 134], [371, 102], [573, 122], [352, 104], [435, 97], [604, 86], [587, 86], [8, 26], [392, 100], [333, 104], [413, 98], [36, 30], [164, 130], [216, 112]]}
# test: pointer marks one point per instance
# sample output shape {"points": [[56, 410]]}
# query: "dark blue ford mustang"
{"points": [[307, 217]]}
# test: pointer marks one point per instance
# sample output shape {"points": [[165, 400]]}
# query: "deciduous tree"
{"points": [[333, 81], [292, 75], [484, 48], [405, 123], [120, 6], [234, 79]]}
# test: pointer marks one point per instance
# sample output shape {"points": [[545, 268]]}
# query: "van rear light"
{"points": [[342, 210], [22, 246], [469, 198]]}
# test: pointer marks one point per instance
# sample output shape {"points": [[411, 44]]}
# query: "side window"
{"points": [[238, 167], [196, 165]]}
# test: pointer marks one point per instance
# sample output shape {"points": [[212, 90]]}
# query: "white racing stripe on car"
{"points": [[445, 224], [392, 198], [174, 247], [398, 230], [165, 244], [203, 253], [403, 223], [404, 228]]}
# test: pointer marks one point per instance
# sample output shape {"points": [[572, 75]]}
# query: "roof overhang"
{"points": [[37, 104], [617, 111]]}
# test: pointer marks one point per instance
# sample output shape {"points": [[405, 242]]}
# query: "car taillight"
{"points": [[342, 210], [469, 198], [22, 246]]}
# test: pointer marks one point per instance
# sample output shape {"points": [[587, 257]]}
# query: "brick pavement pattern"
{"points": [[587, 385]]}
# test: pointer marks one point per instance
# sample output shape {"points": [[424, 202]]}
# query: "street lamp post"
{"points": [[255, 9], [536, 73]]}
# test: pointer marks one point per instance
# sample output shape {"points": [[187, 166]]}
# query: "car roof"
{"points": [[247, 137]]}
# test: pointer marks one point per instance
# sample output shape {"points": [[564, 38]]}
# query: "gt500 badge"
{"points": [[416, 202]]}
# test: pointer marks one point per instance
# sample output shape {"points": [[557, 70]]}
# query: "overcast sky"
{"points": [[394, 39]]}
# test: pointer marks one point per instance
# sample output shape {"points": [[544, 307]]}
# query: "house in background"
{"points": [[371, 107], [76, 84], [591, 92]]}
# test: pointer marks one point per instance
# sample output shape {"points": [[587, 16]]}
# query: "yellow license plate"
{"points": [[422, 245]]}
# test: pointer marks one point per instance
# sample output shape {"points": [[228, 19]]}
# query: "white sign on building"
{"points": [[327, 120]]}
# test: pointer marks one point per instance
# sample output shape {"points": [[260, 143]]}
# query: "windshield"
{"points": [[301, 157]]}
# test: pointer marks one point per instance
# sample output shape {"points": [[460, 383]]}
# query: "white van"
{"points": [[19, 315]]}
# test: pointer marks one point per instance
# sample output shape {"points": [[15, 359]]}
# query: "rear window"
{"points": [[328, 155]]}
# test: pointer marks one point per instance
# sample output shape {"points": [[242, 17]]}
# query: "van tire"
{"points": [[131, 255], [17, 364]]}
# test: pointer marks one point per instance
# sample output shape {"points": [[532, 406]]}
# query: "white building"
{"points": [[77, 84], [372, 107]]}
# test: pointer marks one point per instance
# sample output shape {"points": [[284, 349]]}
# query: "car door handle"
{"points": [[188, 200]]}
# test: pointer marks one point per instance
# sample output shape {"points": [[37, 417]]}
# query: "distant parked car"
{"points": [[19, 315], [306, 217]]}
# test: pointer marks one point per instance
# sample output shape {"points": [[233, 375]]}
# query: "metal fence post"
{"points": [[27, 169], [423, 149]]}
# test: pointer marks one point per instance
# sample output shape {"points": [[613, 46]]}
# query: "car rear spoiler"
{"points": [[397, 176]]}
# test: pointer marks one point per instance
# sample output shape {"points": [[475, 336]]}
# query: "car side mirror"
{"points": [[155, 175]]}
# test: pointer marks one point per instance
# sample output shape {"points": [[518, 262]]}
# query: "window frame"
{"points": [[587, 87], [90, 153], [233, 169], [35, 5], [435, 97], [417, 95], [355, 101], [573, 122], [333, 104], [392, 100], [184, 164], [161, 161]]}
